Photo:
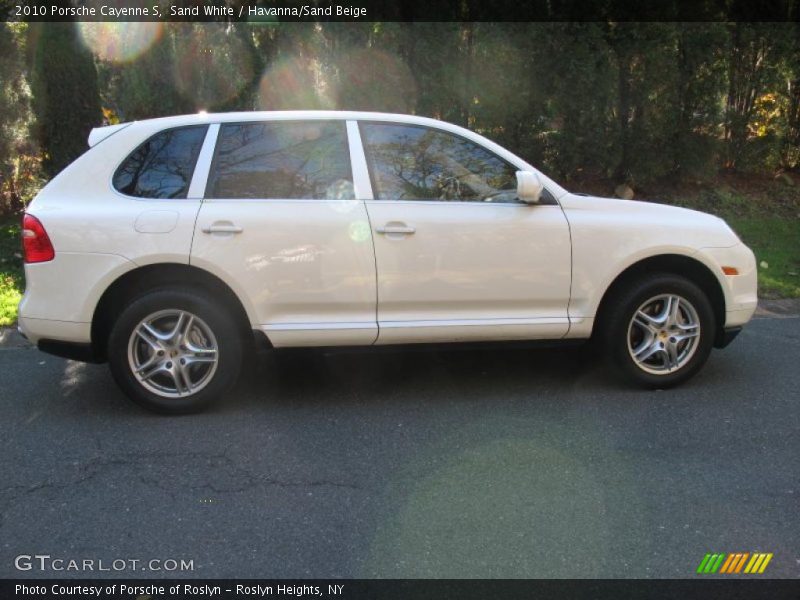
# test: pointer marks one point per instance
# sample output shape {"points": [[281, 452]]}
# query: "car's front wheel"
{"points": [[174, 351], [660, 330]]}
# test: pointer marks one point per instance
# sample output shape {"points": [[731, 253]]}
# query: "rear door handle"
{"points": [[222, 228], [395, 229]]}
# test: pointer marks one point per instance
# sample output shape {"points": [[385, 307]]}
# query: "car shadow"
{"points": [[374, 377], [441, 374]]}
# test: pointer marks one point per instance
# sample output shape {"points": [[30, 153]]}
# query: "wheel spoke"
{"points": [[150, 336], [179, 329], [191, 348], [147, 372], [647, 341], [187, 329], [151, 360], [647, 351], [176, 383], [688, 335], [662, 318], [199, 359], [674, 311], [182, 380], [645, 321], [671, 356]]}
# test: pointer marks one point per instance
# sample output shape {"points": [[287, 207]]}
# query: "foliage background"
{"points": [[631, 102]]}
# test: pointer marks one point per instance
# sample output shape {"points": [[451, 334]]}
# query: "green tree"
{"points": [[16, 151], [145, 88], [789, 89], [754, 54], [66, 101], [699, 86]]}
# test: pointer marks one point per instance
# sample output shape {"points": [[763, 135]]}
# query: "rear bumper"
{"points": [[726, 336], [35, 330], [60, 338]]}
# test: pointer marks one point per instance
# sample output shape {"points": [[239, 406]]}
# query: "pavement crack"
{"points": [[170, 473]]}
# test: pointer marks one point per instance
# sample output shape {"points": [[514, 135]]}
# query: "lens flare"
{"points": [[359, 79], [372, 79], [294, 83], [119, 42], [344, 204], [212, 64], [359, 231]]}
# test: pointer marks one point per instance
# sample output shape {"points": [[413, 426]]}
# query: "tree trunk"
{"points": [[623, 115], [64, 83]]}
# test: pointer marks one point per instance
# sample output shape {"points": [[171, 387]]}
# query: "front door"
{"points": [[459, 258]]}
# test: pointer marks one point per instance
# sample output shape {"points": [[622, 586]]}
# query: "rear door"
{"points": [[281, 224]]}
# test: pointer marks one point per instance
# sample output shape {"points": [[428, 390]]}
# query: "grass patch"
{"points": [[775, 243], [12, 279]]}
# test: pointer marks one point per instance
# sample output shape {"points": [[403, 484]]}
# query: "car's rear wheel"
{"points": [[660, 330], [174, 351]]}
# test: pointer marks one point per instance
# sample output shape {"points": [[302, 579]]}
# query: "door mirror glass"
{"points": [[529, 187]]}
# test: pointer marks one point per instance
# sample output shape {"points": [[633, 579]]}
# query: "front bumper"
{"points": [[740, 291]]}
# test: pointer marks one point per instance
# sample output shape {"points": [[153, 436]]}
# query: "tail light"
{"points": [[35, 242]]}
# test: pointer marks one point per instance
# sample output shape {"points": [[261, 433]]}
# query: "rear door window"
{"points": [[282, 160], [163, 166]]}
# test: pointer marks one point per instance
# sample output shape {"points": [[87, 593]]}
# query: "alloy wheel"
{"points": [[173, 353], [663, 334]]}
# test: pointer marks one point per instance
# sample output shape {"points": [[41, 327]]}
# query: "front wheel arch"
{"points": [[660, 331], [673, 264]]}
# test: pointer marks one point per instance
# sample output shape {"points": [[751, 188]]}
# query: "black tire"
{"points": [[619, 334], [213, 317]]}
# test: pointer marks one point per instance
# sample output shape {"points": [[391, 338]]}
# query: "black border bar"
{"points": [[732, 588], [277, 11]]}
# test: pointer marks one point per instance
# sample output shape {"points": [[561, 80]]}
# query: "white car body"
{"points": [[317, 272]]}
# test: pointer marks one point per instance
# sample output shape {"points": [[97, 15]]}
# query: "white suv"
{"points": [[171, 242]]}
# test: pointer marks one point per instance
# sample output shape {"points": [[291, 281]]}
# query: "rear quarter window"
{"points": [[161, 167]]}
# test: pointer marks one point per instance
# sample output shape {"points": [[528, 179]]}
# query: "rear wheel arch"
{"points": [[673, 264], [137, 282]]}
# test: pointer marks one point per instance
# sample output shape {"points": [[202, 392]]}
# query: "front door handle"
{"points": [[222, 228], [395, 228]]}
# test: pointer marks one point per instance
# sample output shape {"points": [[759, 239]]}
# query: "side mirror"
{"points": [[529, 187]]}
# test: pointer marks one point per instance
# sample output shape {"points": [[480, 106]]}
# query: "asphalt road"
{"points": [[512, 463]]}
